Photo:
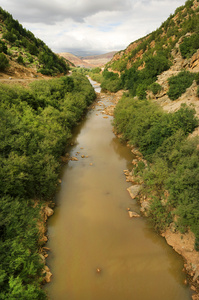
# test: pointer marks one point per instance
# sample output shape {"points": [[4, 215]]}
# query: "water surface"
{"points": [[91, 228]]}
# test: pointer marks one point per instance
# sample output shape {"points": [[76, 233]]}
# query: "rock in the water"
{"points": [[74, 158], [133, 214], [47, 273], [48, 211]]}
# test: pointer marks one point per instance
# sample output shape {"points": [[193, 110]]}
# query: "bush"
{"points": [[4, 62], [111, 85], [155, 88], [20, 60], [138, 81], [197, 78], [179, 83], [189, 45], [3, 47]]}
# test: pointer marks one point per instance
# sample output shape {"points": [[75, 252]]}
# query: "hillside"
{"points": [[160, 55], [21, 51], [89, 61], [172, 48]]}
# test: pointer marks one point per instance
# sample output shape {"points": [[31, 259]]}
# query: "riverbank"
{"points": [[183, 244]]}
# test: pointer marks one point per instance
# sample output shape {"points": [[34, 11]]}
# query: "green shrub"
{"points": [[96, 77], [96, 70], [138, 81], [159, 215], [141, 91], [3, 47], [155, 88], [112, 85], [197, 78], [189, 45], [4, 62], [179, 83], [20, 60]]}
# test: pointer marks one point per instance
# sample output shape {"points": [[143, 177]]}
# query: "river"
{"points": [[91, 228]]}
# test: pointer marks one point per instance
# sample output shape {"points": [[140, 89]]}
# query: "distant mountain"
{"points": [[99, 60], [89, 61]]}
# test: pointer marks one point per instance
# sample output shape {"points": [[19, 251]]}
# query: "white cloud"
{"points": [[89, 25]]}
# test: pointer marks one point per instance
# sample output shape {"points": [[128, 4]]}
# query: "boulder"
{"points": [[47, 273], [134, 190], [133, 214], [48, 211], [73, 158]]}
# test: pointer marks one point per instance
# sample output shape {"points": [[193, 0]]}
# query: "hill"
{"points": [[158, 56], [99, 60], [21, 51], [89, 61]]}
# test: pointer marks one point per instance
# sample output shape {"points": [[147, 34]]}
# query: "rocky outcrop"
{"points": [[46, 212], [184, 245]]}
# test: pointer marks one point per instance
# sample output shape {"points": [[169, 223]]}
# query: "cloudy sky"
{"points": [[90, 26]]}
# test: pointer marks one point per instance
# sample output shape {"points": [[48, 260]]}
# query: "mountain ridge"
{"points": [[89, 61]]}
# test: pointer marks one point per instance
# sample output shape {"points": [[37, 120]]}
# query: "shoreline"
{"points": [[183, 244]]}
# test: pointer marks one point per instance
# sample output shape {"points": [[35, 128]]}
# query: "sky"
{"points": [[88, 27]]}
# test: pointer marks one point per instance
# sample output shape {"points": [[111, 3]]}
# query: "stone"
{"points": [[133, 214], [48, 211], [74, 158], [144, 206], [48, 274], [196, 275], [134, 190]]}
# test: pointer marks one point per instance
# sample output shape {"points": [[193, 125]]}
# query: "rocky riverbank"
{"points": [[46, 212], [183, 244]]}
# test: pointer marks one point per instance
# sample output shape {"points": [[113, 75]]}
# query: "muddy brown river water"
{"points": [[91, 228]]}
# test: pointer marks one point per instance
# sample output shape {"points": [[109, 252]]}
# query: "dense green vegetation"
{"points": [[35, 52], [189, 45], [111, 81], [179, 83], [4, 62], [36, 125], [173, 160]]}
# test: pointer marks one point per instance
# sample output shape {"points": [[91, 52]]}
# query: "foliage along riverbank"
{"points": [[36, 124], [168, 170]]}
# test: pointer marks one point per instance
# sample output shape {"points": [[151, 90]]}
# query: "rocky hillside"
{"points": [[22, 53], [146, 65]]}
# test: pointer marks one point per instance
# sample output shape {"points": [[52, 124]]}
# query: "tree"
{"points": [[4, 62]]}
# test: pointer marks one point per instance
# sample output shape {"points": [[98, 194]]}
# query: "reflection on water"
{"points": [[91, 228]]}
